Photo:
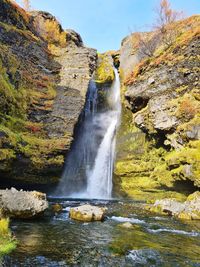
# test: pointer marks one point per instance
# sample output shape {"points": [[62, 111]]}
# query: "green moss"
{"points": [[104, 72], [188, 155], [7, 154], [142, 169], [7, 243]]}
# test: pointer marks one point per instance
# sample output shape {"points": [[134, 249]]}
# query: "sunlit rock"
{"points": [[87, 213], [188, 210], [56, 208], [22, 204]]}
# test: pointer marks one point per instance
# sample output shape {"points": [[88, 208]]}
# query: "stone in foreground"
{"points": [[22, 204], [87, 213]]}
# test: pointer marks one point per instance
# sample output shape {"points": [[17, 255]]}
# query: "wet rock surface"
{"points": [[87, 213], [22, 204], [188, 210]]}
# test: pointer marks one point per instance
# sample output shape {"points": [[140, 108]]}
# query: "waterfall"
{"points": [[100, 178], [89, 163]]}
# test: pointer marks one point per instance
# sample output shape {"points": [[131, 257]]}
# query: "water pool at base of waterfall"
{"points": [[152, 241]]}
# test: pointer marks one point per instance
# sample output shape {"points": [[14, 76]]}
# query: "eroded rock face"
{"points": [[22, 204], [189, 210], [87, 213], [47, 76], [158, 90], [162, 92], [77, 65]]}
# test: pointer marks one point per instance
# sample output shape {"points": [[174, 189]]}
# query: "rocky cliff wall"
{"points": [[163, 93], [44, 76]]}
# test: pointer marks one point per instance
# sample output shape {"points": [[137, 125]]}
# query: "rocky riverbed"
{"points": [[61, 241]]}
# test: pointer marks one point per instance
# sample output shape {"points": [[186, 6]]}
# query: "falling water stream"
{"points": [[89, 165]]}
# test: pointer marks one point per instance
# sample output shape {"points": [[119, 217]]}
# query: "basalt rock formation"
{"points": [[163, 93], [44, 76]]}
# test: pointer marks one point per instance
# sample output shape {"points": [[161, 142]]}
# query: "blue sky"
{"points": [[104, 23]]}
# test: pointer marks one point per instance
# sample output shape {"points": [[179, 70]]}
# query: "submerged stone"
{"points": [[56, 208], [87, 213], [126, 225]]}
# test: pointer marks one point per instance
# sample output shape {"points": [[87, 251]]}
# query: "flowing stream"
{"points": [[89, 164], [55, 241]]}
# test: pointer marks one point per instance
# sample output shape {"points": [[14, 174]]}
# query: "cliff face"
{"points": [[163, 93], [44, 76]]}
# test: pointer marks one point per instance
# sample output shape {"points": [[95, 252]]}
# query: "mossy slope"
{"points": [[163, 93]]}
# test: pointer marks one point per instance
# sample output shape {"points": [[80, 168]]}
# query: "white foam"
{"points": [[181, 232], [67, 209], [143, 256], [124, 219]]}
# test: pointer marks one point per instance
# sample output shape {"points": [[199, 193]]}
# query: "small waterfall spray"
{"points": [[89, 164]]}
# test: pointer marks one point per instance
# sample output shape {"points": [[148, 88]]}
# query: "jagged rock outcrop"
{"points": [[22, 204], [162, 92], [45, 73], [160, 85], [78, 64]]}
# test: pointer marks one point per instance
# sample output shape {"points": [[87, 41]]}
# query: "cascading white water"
{"points": [[100, 178], [89, 164]]}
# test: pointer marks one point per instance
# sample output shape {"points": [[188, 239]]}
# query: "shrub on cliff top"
{"points": [[26, 4], [165, 31], [188, 107]]}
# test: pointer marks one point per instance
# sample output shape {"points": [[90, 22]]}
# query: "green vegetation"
{"points": [[24, 89], [104, 72], [7, 242], [170, 168], [147, 172], [167, 56]]}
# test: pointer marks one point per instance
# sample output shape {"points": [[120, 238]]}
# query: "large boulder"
{"points": [[87, 213], [190, 209], [22, 204]]}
